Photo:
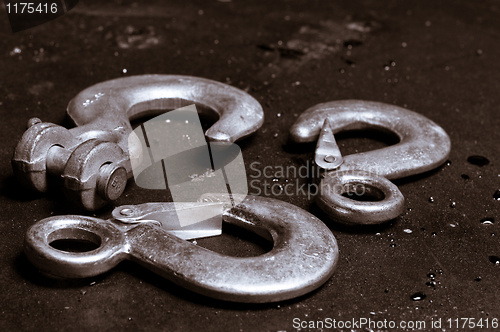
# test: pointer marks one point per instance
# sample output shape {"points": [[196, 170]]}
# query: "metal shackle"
{"points": [[423, 145], [94, 158], [304, 255]]}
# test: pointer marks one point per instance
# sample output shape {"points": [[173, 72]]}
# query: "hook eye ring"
{"points": [[352, 211], [111, 249]]}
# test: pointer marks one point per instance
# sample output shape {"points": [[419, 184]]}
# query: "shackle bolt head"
{"points": [[111, 181]]}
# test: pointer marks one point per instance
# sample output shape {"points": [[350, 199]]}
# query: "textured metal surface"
{"points": [[437, 58], [304, 255]]}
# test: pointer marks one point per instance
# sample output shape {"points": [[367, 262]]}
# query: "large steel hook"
{"points": [[94, 159], [304, 255], [423, 146]]}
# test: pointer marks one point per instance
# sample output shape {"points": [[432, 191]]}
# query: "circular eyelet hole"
{"points": [[74, 240], [362, 192]]}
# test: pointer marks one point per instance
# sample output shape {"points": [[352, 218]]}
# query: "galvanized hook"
{"points": [[304, 255], [93, 159], [423, 146]]}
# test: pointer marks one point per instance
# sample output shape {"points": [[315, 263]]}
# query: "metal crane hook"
{"points": [[94, 158], [304, 255], [423, 146]]}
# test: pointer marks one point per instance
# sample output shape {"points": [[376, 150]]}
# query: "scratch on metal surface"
{"points": [[315, 255]]}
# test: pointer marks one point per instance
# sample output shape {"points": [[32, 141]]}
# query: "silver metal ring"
{"points": [[359, 183]]}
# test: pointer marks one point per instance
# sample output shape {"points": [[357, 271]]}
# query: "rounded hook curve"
{"points": [[108, 106], [423, 145]]}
